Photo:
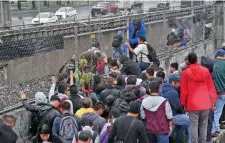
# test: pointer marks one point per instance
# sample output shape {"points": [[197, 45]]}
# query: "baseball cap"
{"points": [[174, 77], [220, 52]]}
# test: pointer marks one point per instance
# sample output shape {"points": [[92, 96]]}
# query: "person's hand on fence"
{"points": [[71, 78], [53, 80], [22, 95], [127, 44], [128, 40]]}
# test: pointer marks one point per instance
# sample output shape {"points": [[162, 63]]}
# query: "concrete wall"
{"points": [[41, 64]]}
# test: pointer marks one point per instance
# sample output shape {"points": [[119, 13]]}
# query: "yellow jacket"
{"points": [[81, 111]]}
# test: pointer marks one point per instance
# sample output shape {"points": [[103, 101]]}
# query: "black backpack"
{"points": [[116, 41], [152, 57]]}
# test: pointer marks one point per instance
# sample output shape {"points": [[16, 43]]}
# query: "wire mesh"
{"points": [[31, 58]]}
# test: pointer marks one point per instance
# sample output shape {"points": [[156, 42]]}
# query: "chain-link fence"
{"points": [[22, 14], [28, 59]]}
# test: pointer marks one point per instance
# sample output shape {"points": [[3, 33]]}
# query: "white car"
{"points": [[45, 17], [66, 12]]}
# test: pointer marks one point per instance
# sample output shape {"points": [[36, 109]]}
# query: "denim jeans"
{"points": [[210, 124], [183, 120], [217, 113], [143, 66], [153, 138]]}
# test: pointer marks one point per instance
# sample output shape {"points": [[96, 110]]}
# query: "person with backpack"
{"points": [[136, 28], [46, 113], [75, 98], [66, 126], [171, 38], [87, 125], [95, 117], [128, 129], [146, 55], [116, 44]]}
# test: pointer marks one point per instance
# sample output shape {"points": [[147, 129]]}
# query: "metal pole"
{"points": [[1, 18], [203, 24], [39, 10], [193, 26], [127, 13], [89, 16]]}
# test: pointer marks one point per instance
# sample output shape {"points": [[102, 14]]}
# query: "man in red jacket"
{"points": [[198, 96]]}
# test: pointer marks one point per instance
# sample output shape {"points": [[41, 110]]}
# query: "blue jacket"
{"points": [[171, 94], [140, 32]]}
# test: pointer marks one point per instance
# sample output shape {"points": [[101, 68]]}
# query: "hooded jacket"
{"points": [[141, 32], [98, 121], [171, 94], [53, 138], [197, 88], [87, 128], [219, 75], [107, 92], [157, 112], [46, 112], [129, 66], [7, 135], [77, 102]]}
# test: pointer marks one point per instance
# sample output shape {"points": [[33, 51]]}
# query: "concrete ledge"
{"points": [[220, 138]]}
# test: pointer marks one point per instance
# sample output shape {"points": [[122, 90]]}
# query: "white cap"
{"points": [[173, 30], [139, 81]]}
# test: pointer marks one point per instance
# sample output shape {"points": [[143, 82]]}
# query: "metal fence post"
{"points": [[203, 26]]}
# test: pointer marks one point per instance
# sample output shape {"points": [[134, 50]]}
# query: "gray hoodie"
{"points": [[40, 98], [98, 121], [152, 103], [87, 128]]}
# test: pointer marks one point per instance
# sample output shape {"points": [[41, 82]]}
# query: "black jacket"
{"points": [[77, 102], [129, 66], [107, 92], [120, 129], [7, 135], [46, 112], [53, 138]]}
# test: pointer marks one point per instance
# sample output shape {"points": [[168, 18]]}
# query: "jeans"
{"points": [[217, 113], [210, 123], [199, 123], [183, 120], [143, 66], [153, 138]]}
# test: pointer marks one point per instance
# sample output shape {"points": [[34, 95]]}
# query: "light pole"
{"points": [[39, 10]]}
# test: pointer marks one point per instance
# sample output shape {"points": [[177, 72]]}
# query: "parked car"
{"points": [[103, 8], [66, 12], [45, 17], [129, 4]]}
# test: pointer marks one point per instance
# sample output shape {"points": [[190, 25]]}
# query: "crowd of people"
{"points": [[132, 101]]}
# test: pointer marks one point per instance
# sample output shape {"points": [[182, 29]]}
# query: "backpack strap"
{"points": [[129, 130], [95, 134]]}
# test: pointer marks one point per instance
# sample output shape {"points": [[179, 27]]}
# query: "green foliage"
{"points": [[82, 63], [78, 73]]}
